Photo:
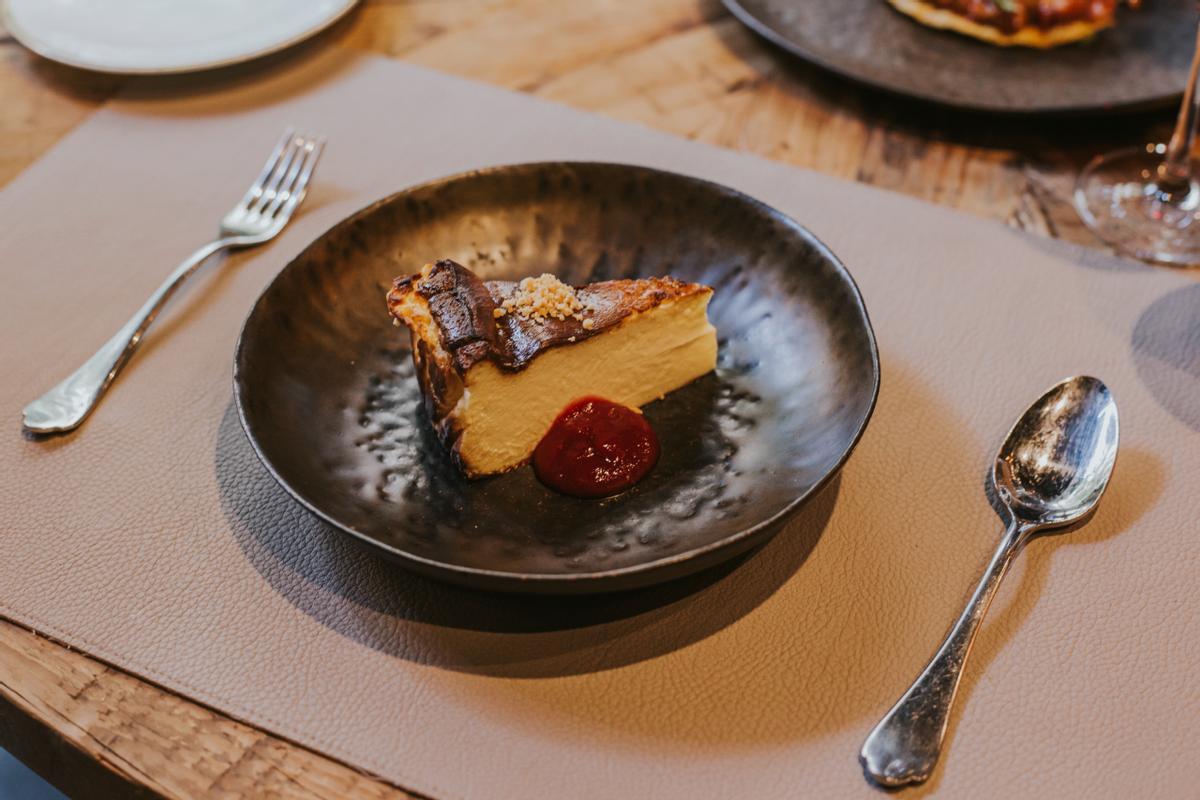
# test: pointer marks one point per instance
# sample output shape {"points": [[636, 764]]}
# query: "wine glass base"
{"points": [[1120, 201]]}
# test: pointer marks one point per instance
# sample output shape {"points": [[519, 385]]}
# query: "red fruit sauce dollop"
{"points": [[596, 448]]}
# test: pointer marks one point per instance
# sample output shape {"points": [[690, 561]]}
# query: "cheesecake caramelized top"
{"points": [[509, 323]]}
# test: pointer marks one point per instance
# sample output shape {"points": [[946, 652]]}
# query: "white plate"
{"points": [[164, 36]]}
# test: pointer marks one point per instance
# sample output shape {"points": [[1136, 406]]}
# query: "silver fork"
{"points": [[267, 207]]}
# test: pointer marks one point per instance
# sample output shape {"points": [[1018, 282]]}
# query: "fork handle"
{"points": [[905, 745], [68, 404]]}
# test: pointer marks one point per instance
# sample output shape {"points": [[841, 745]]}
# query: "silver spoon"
{"points": [[1050, 472]]}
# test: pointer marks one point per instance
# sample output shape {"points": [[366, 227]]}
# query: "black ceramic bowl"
{"points": [[325, 388]]}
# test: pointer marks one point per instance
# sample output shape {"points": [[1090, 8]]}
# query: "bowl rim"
{"points": [[564, 582]]}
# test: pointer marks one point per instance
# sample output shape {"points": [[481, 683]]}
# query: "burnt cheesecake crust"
{"points": [[464, 308], [510, 345]]}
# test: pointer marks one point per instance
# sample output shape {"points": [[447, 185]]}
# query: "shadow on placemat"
{"points": [[1091, 258], [1166, 352], [338, 582], [1165, 343]]}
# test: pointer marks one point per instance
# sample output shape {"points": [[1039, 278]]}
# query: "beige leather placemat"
{"points": [[153, 538]]}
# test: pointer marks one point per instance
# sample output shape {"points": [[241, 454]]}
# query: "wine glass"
{"points": [[1145, 200]]}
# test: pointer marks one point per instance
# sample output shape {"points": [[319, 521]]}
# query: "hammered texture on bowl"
{"points": [[326, 390]]}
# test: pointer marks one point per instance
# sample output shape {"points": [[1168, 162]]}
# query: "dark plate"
{"points": [[325, 388], [1141, 63]]}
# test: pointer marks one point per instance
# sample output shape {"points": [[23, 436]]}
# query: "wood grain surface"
{"points": [[682, 66]]}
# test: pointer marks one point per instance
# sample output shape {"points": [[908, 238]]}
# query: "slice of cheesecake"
{"points": [[498, 360]]}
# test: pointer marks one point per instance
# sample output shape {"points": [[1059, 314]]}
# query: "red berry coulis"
{"points": [[595, 448]]}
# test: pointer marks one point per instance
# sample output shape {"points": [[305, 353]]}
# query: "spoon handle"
{"points": [[905, 745]]}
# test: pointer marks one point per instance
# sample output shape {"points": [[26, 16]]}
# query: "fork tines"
{"points": [[281, 184]]}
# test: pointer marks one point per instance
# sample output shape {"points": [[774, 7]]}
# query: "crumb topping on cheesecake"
{"points": [[541, 298]]}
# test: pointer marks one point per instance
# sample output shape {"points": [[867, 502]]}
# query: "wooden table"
{"points": [[684, 66]]}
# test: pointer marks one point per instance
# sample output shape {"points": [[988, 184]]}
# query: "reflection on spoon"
{"points": [[1050, 472]]}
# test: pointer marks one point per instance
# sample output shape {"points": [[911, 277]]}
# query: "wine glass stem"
{"points": [[1175, 172]]}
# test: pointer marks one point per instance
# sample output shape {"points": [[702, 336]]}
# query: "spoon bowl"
{"points": [[1056, 461]]}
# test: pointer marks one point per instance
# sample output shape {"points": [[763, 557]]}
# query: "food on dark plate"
{"points": [[1028, 23], [499, 361], [596, 448]]}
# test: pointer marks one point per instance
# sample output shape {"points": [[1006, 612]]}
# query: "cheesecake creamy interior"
{"points": [[497, 361]]}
